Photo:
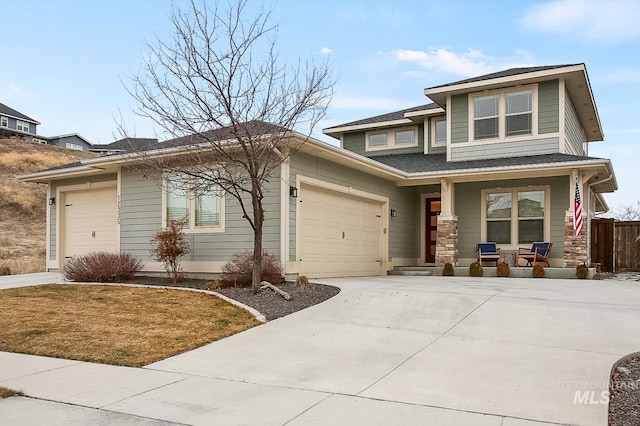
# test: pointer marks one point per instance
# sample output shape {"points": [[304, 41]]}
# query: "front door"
{"points": [[433, 208]]}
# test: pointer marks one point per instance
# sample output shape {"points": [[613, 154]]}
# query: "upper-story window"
{"points": [[4, 122], [439, 135], [392, 138], [22, 126], [503, 115]]}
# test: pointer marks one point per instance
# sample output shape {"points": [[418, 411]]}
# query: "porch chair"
{"points": [[538, 253], [488, 252]]}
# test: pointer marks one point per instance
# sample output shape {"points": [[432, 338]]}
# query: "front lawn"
{"points": [[129, 326]]}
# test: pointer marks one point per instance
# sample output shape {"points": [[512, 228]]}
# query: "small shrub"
{"points": [[475, 269], [538, 271], [447, 271], [214, 285], [302, 281], [502, 270], [239, 269], [102, 267], [170, 245], [5, 270], [582, 271]]}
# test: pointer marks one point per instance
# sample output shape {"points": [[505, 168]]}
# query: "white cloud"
{"points": [[596, 20], [467, 64], [326, 51], [14, 89]]}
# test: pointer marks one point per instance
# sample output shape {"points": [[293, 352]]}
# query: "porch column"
{"points": [[447, 242], [576, 246]]}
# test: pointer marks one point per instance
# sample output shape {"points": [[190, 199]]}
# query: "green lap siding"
{"points": [[548, 107], [469, 207], [141, 218], [459, 118]]}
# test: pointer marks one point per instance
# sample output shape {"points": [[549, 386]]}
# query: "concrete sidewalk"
{"points": [[25, 280], [386, 350]]}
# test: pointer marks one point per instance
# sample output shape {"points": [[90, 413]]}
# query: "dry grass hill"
{"points": [[22, 205]]}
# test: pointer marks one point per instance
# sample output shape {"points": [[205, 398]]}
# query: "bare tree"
{"points": [[219, 88], [627, 212]]}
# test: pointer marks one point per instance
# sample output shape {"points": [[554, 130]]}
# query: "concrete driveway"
{"points": [[386, 350]]}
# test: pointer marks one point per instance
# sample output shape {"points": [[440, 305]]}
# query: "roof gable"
{"points": [[5, 110]]}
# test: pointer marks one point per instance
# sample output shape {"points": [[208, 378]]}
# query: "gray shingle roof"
{"points": [[127, 144], [417, 163], [396, 115], [506, 73], [5, 110]]}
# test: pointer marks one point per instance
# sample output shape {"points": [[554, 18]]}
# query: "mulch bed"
{"points": [[624, 401], [267, 302]]}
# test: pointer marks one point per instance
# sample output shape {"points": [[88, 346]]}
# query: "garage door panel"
{"points": [[90, 221], [340, 235]]}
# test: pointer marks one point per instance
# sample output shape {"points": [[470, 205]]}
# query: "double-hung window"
{"points": [[503, 115], [486, 117], [439, 131], [22, 126], [519, 113], [516, 216], [4, 122], [199, 212]]}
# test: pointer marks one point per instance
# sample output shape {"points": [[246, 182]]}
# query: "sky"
{"points": [[66, 63]]}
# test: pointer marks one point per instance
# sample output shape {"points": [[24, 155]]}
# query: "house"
{"points": [[16, 124], [492, 158]]}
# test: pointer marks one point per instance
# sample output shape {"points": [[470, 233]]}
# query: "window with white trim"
{"points": [[393, 138], [508, 113], [516, 216], [22, 126], [73, 146], [4, 122], [439, 134], [199, 212]]}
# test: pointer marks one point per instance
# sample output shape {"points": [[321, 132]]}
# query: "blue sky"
{"points": [[64, 62]]}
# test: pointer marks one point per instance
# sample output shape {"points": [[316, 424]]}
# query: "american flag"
{"points": [[577, 211]]}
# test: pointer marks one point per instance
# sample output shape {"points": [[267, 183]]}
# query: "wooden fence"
{"points": [[615, 245]]}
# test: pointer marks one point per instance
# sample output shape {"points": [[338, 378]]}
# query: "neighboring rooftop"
{"points": [[5, 110], [126, 144]]}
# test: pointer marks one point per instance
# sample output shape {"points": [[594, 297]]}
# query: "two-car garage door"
{"points": [[90, 221], [339, 234]]}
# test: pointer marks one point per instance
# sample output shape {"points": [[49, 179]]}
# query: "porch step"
{"points": [[421, 271]]}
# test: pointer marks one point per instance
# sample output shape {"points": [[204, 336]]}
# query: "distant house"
{"points": [[16, 124]]}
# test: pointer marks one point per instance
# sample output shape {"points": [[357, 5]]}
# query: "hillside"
{"points": [[22, 205]]}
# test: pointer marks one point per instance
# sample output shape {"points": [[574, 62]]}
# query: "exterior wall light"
{"points": [[52, 201], [394, 213], [293, 191]]}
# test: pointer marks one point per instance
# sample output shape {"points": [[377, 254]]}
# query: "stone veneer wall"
{"points": [[575, 247], [447, 244]]}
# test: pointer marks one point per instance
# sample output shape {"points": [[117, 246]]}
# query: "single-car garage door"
{"points": [[90, 221], [339, 235]]}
